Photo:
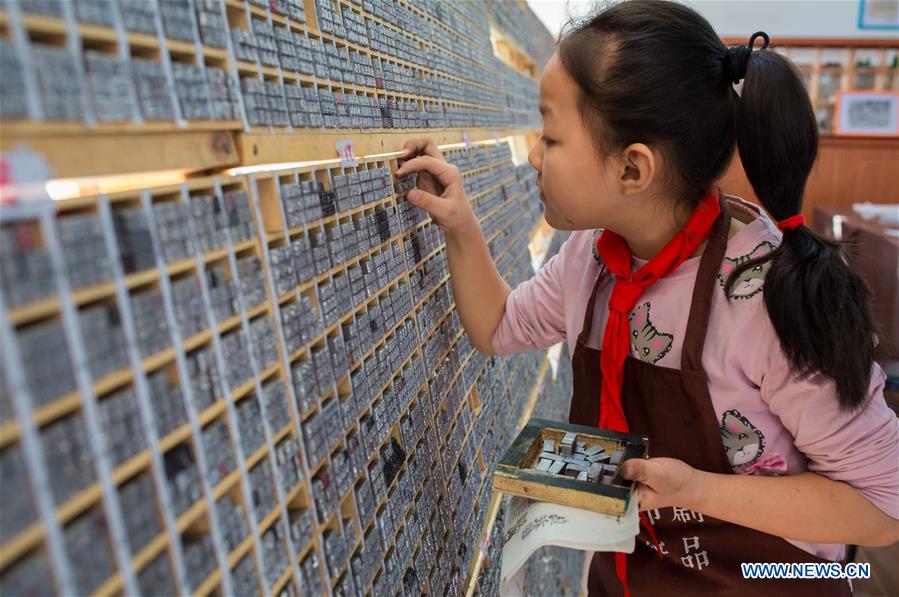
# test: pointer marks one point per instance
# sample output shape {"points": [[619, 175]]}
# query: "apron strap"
{"points": [[706, 281], [591, 304]]}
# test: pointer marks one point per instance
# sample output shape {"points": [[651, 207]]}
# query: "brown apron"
{"points": [[673, 408]]}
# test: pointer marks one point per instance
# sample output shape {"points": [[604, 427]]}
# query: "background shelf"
{"points": [[231, 362]]}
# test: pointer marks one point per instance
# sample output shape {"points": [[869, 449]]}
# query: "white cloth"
{"points": [[532, 524]]}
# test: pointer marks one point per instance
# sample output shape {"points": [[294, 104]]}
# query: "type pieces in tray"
{"points": [[572, 458]]}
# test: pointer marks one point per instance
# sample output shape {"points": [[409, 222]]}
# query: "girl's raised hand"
{"points": [[422, 146], [439, 189]]}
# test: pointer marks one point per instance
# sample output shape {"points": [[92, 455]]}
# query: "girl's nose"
{"points": [[535, 156]]}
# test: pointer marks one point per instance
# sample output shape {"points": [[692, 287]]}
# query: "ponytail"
{"points": [[818, 305]]}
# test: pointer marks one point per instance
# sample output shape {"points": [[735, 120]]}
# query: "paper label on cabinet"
{"points": [[346, 153]]}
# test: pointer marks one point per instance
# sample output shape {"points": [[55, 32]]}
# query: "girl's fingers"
{"points": [[426, 182], [446, 174], [446, 212], [439, 189], [423, 146], [432, 204], [647, 499], [636, 470]]}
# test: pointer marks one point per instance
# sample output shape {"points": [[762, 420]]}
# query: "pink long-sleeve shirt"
{"points": [[772, 420]]}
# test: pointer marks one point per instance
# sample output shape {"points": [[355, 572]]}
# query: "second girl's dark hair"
{"points": [[655, 72]]}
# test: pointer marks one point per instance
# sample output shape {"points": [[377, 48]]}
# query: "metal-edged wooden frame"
{"points": [[515, 475]]}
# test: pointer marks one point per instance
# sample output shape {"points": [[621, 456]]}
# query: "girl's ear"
{"points": [[636, 168]]}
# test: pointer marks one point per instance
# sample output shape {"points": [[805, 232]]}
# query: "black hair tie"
{"points": [[737, 57]]}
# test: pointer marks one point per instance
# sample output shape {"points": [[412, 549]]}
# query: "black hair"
{"points": [[655, 72]]}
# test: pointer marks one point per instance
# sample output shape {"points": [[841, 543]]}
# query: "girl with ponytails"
{"points": [[735, 338]]}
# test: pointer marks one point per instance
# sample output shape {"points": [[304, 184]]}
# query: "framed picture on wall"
{"points": [[878, 14], [867, 113]]}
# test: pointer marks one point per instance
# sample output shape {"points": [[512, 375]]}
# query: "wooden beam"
{"points": [[265, 148], [84, 152], [832, 42]]}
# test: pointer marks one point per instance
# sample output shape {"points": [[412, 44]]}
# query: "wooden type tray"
{"points": [[516, 473]]}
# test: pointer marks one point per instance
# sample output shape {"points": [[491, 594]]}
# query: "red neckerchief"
{"points": [[628, 288]]}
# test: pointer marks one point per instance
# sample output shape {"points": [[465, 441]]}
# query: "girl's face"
{"points": [[579, 191]]}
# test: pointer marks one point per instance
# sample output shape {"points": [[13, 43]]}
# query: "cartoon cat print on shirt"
{"points": [[648, 343], [743, 443], [750, 282]]}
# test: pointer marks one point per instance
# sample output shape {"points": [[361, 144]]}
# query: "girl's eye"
{"points": [[547, 141]]}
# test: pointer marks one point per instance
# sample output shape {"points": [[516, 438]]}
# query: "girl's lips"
{"points": [[542, 197]]}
